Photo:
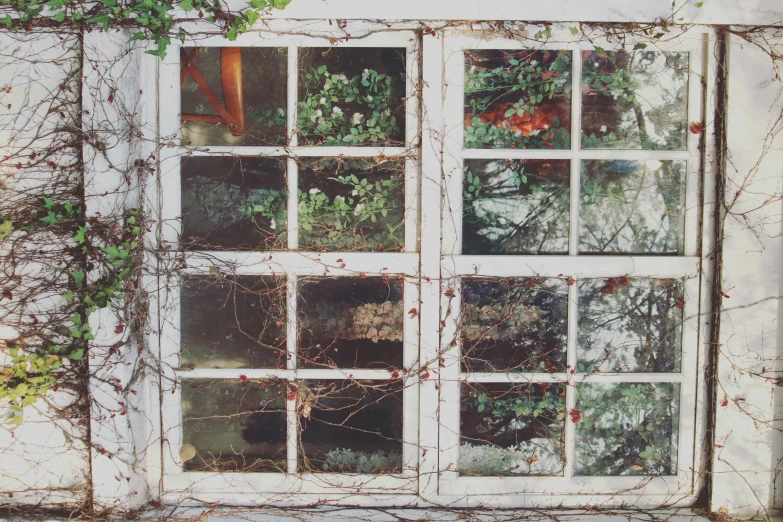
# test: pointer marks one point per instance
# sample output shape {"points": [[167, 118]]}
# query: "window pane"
{"points": [[233, 322], [246, 84], [634, 100], [513, 325], [352, 96], [230, 425], [517, 99], [630, 325], [627, 429], [515, 207], [351, 204], [350, 426], [233, 203], [632, 207], [350, 322], [508, 429]]}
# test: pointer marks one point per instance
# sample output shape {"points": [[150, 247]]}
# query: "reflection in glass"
{"points": [[233, 425], [351, 96], [515, 207], [234, 95], [233, 322], [517, 99], [630, 325], [513, 325], [351, 204], [627, 429], [350, 322], [634, 100], [632, 207], [236, 203], [350, 426], [508, 429]]}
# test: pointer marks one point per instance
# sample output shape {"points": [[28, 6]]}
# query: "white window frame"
{"points": [[568, 491], [433, 383], [271, 487]]}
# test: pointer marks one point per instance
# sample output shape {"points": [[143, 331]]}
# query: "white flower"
{"points": [[281, 112], [339, 199], [533, 62], [322, 101], [319, 113], [354, 193], [358, 210], [272, 224], [365, 74], [327, 86], [595, 65], [534, 133], [344, 79], [369, 98], [357, 118], [338, 111], [603, 128], [314, 191]]}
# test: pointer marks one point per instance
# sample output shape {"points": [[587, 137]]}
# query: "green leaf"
{"points": [[6, 21], [573, 30], [78, 277], [187, 5], [639, 46], [280, 4], [252, 16], [50, 218], [68, 296], [79, 237], [112, 251], [77, 355], [48, 202], [59, 17], [699, 4]]}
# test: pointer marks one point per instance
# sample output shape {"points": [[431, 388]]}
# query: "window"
{"points": [[569, 270], [367, 300], [291, 194]]}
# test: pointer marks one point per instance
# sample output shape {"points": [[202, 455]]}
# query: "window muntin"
{"points": [[245, 198], [657, 188]]}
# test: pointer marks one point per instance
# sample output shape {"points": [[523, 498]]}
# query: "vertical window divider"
{"points": [[573, 250], [292, 180], [292, 168]]}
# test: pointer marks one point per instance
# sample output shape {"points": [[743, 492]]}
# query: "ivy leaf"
{"points": [[112, 251], [251, 14], [6, 21], [187, 5], [573, 30], [639, 46], [78, 277], [77, 355], [79, 237], [59, 17], [280, 4], [48, 202], [50, 218], [699, 4]]}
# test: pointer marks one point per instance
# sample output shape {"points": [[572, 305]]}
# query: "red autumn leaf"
{"points": [[571, 281], [680, 303], [119, 328], [576, 416], [449, 293], [292, 391], [413, 313], [426, 374], [609, 286], [725, 402], [625, 281], [110, 99], [7, 295], [243, 380], [696, 127]]}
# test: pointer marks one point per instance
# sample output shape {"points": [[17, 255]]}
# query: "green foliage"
{"points": [[153, 20], [31, 372], [370, 95]]}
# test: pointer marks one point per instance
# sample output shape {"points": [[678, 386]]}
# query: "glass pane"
{"points": [[632, 207], [350, 322], [234, 95], [508, 429], [234, 203], [630, 325], [627, 429], [352, 96], [517, 99], [351, 204], [513, 325], [634, 100], [233, 322], [233, 425], [515, 207], [350, 426]]}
